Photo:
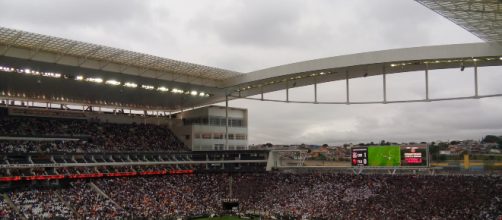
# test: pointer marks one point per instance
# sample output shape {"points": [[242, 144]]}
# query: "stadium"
{"points": [[90, 131]]}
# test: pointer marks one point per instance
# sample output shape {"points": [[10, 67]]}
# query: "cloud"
{"points": [[251, 35]]}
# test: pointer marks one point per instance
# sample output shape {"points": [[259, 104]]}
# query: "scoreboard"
{"points": [[414, 155], [390, 156], [360, 156]]}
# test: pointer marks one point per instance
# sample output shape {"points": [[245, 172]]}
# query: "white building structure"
{"points": [[204, 129]]}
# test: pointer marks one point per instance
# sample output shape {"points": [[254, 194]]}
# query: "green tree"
{"points": [[491, 139]]}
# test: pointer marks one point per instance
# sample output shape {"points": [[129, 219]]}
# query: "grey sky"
{"points": [[250, 35]]}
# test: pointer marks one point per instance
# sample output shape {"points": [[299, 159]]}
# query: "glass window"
{"points": [[240, 136]]}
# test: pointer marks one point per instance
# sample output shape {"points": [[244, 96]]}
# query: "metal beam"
{"points": [[226, 122], [426, 81], [287, 90], [476, 92], [11, 42], [66, 50], [127, 163], [378, 102], [347, 86], [39, 46], [89, 53], [109, 58], [384, 85], [315, 92]]}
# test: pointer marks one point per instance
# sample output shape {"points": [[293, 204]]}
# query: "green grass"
{"points": [[384, 156]]}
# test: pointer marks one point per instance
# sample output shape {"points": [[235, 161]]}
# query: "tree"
{"points": [[491, 139]]}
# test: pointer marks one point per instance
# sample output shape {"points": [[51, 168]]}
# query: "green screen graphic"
{"points": [[389, 156]]}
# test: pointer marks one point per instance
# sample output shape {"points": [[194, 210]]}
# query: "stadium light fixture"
{"points": [[202, 94], [79, 78], [163, 89], [148, 87], [53, 75], [112, 82], [500, 58], [130, 85], [194, 93], [94, 80], [177, 90]]}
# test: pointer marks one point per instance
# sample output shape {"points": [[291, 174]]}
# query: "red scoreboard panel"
{"points": [[414, 155]]}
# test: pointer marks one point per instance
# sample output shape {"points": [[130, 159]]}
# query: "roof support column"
{"points": [[226, 120], [427, 82], [476, 92], [347, 86], [261, 91], [384, 85], [287, 90], [315, 92]]}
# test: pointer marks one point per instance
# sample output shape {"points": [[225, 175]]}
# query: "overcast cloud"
{"points": [[250, 35]]}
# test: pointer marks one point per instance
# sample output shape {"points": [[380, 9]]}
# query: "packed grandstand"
{"points": [[284, 196], [166, 194]]}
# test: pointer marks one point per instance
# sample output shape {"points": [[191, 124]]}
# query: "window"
{"points": [[240, 137], [219, 147], [217, 136], [214, 121], [230, 136], [206, 136]]}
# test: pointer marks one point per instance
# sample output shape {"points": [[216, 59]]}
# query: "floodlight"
{"points": [[95, 80], [130, 85], [112, 82], [163, 89], [147, 87]]}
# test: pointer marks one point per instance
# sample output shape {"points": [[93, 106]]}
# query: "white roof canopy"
{"points": [[102, 57], [482, 18]]}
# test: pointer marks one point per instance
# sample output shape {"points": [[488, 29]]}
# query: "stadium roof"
{"points": [[482, 18], [364, 65], [51, 69], [103, 57]]}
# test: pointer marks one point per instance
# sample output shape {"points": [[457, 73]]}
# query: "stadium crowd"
{"points": [[160, 197], [40, 204], [342, 196], [6, 211], [282, 195], [90, 205], [74, 135]]}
